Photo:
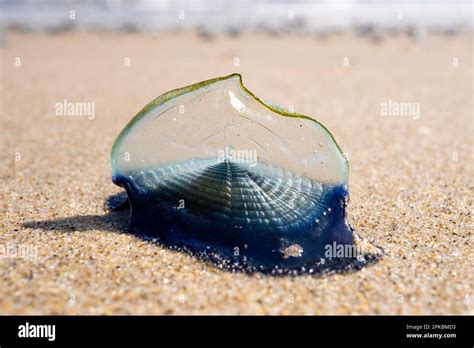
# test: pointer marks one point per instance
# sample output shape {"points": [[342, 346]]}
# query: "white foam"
{"points": [[233, 16]]}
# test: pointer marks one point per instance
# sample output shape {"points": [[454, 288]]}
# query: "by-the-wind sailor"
{"points": [[212, 167]]}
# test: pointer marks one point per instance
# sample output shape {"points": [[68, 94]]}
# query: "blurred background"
{"points": [[352, 65], [221, 16]]}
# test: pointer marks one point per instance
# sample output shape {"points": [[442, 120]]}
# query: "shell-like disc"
{"points": [[211, 166]]}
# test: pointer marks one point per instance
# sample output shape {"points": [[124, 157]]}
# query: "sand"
{"points": [[410, 176]]}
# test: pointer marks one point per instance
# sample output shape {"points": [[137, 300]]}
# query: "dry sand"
{"points": [[410, 179]]}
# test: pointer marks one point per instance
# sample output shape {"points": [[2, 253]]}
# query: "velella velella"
{"points": [[214, 168]]}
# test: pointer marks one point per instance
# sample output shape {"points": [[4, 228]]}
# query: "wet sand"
{"points": [[410, 175]]}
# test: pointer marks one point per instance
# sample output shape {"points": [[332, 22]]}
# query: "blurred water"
{"points": [[233, 16]]}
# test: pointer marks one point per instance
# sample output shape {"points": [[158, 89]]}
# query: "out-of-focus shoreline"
{"points": [[217, 16], [368, 33]]}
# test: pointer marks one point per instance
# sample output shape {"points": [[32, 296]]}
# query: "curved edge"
{"points": [[187, 89], [292, 114], [160, 100]]}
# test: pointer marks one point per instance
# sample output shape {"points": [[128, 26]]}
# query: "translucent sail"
{"points": [[212, 166]]}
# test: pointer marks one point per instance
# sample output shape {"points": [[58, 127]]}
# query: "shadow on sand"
{"points": [[117, 220]]}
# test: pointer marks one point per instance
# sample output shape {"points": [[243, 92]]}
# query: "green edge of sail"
{"points": [[191, 88]]}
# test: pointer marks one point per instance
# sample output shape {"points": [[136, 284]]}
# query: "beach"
{"points": [[400, 108]]}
